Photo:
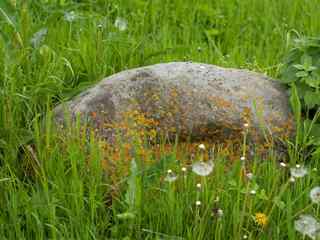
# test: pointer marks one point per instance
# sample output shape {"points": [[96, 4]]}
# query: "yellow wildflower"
{"points": [[261, 219]]}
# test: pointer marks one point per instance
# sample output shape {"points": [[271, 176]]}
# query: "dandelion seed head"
{"points": [[249, 176], [253, 192], [315, 195], [298, 172], [220, 212], [243, 158], [121, 24], [38, 37], [202, 168], [246, 125], [198, 185], [292, 179], [298, 165], [70, 16], [308, 225], [245, 236], [198, 203], [184, 169], [283, 164], [171, 177], [202, 146]]}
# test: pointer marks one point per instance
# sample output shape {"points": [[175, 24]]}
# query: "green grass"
{"points": [[54, 187]]}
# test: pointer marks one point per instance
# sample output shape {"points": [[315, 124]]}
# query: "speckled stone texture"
{"points": [[192, 99]]}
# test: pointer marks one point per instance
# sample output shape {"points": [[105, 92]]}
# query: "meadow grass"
{"points": [[53, 185]]}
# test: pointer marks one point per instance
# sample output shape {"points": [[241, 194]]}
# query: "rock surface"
{"points": [[192, 99]]}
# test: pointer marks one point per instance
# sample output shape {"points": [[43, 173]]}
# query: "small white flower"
{"points": [[315, 195], [245, 236], [283, 164], [184, 169], [121, 24], [308, 226], [198, 203], [202, 146], [243, 158], [298, 171], [253, 192], [171, 177], [246, 125], [202, 168], [199, 185], [292, 179], [298, 165]]}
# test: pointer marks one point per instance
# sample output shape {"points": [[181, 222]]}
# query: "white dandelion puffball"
{"points": [[298, 172], [283, 164], [121, 24], [202, 168], [308, 226], [198, 203], [253, 192], [243, 158], [38, 37], [220, 212], [315, 195], [184, 169], [249, 176], [171, 177], [292, 179], [202, 146], [70, 16]]}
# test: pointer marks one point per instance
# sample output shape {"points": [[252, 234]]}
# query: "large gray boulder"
{"points": [[191, 99]]}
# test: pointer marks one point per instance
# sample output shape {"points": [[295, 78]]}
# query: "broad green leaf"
{"points": [[288, 75], [298, 66], [301, 74], [303, 88], [306, 61], [312, 99], [312, 82], [315, 128]]}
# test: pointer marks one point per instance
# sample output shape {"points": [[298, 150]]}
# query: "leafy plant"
{"points": [[302, 67], [301, 72]]}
